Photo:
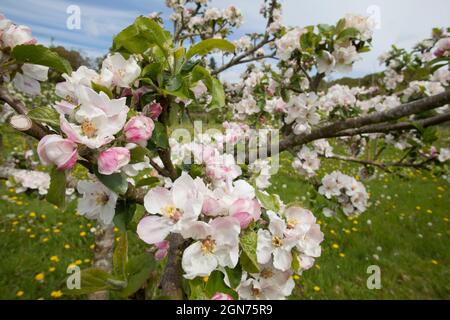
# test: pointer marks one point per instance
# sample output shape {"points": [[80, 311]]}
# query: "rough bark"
{"points": [[103, 253]]}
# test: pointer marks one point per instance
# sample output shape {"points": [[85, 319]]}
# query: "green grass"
{"points": [[408, 238]]}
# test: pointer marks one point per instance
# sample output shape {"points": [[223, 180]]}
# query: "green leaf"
{"points": [[214, 86], [38, 54], [151, 182], [99, 88], [46, 115], [154, 71], [295, 264], [206, 46], [248, 258], [217, 284], [143, 34], [116, 182], [159, 136], [57, 190], [234, 275], [174, 83], [93, 280], [138, 270], [137, 154], [124, 214], [346, 34], [269, 201], [197, 289], [120, 257]]}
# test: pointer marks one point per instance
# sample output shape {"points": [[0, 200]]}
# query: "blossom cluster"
{"points": [[215, 217], [28, 78], [349, 193]]}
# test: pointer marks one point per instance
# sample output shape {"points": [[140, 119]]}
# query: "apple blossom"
{"points": [[171, 211], [218, 246], [112, 160], [54, 149], [121, 71], [16, 35], [139, 129], [97, 202]]}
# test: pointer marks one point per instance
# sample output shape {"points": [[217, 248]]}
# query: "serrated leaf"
{"points": [[46, 115], [151, 182], [248, 259], [38, 54], [234, 275], [138, 270], [120, 257], [217, 284], [269, 201], [116, 182], [57, 190], [93, 280], [206, 46]]}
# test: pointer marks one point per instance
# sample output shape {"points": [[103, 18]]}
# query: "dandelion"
{"points": [[341, 254], [205, 279], [67, 246], [82, 234], [33, 214], [335, 246], [54, 258], [56, 294], [51, 269], [19, 293], [316, 288], [435, 262], [429, 211], [40, 277], [78, 262], [45, 239]]}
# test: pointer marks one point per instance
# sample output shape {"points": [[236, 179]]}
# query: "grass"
{"points": [[405, 232]]}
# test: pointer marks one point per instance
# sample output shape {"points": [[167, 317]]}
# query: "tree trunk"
{"points": [[103, 253], [171, 280]]}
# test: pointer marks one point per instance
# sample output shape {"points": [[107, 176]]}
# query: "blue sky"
{"points": [[402, 22]]}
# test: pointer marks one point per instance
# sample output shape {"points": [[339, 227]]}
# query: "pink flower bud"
{"points": [[111, 160], [221, 296], [163, 248], [245, 210], [153, 110], [16, 35], [54, 149], [139, 129]]}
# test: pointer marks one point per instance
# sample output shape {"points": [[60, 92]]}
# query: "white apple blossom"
{"points": [[218, 246], [97, 202], [171, 210]]}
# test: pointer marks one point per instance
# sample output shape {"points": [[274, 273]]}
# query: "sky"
{"points": [[400, 22]]}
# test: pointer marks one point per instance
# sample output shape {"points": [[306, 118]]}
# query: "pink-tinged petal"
{"points": [[154, 229], [282, 259], [244, 219], [221, 296], [157, 199], [195, 229], [264, 246], [226, 230], [112, 160]]}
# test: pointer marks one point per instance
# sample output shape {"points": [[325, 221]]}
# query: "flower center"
{"points": [[172, 212], [88, 129], [266, 273], [256, 292], [102, 199], [291, 223], [276, 241], [208, 245]]}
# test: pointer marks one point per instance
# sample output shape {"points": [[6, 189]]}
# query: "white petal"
{"points": [[264, 246], [282, 259], [197, 263], [156, 199], [153, 229]]}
